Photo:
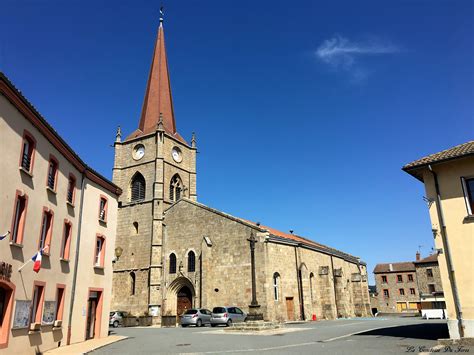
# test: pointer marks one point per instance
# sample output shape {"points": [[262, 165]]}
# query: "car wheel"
{"points": [[184, 325], [229, 322], [213, 325], [199, 323], [116, 324]]}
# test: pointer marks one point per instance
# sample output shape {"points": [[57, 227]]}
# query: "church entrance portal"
{"points": [[184, 300]]}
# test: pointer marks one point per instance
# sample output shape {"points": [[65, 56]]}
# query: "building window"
{"points": [[66, 243], [71, 189], [27, 152], [384, 279], [412, 291], [103, 204], [172, 263], [468, 187], [132, 283], [431, 288], [399, 278], [46, 231], [176, 187], [402, 292], [429, 272], [311, 285], [52, 173], [386, 293], [410, 278], [191, 262], [60, 302], [138, 187], [37, 305], [99, 251], [19, 217], [276, 286], [7, 291], [135, 227]]}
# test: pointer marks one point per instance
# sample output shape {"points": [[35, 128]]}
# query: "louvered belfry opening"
{"points": [[176, 187], [138, 188]]}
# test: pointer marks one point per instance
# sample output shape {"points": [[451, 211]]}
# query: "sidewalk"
{"points": [[85, 346]]}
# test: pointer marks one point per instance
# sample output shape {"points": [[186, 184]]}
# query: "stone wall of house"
{"points": [[389, 304], [424, 280]]}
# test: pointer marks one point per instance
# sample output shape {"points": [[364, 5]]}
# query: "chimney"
{"points": [[390, 267], [418, 258]]}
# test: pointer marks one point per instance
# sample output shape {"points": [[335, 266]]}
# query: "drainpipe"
{"points": [[334, 286], [76, 258], [447, 252]]}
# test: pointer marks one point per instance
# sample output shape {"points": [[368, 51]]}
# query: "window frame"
{"points": [[7, 315], [106, 206], [429, 273], [401, 291], [73, 193], [36, 314], [410, 278], [399, 278], [386, 293], [412, 291], [468, 195], [431, 286], [139, 198], [99, 255], [172, 270], [27, 136], [18, 223], [176, 188], [384, 279], [133, 278], [193, 264], [276, 278], [52, 159], [60, 301], [66, 241], [46, 247]]}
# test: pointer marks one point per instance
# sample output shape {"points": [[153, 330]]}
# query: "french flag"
{"points": [[37, 261]]}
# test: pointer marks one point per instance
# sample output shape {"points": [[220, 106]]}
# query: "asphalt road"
{"points": [[351, 336]]}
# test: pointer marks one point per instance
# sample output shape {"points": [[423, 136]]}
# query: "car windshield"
{"points": [[218, 310], [191, 311]]}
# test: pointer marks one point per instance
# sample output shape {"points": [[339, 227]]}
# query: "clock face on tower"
{"points": [[138, 151], [177, 155]]}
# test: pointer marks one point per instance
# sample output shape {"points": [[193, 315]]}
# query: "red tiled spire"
{"points": [[158, 98]]}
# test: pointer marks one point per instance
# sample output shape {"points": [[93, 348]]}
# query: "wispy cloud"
{"points": [[342, 54]]}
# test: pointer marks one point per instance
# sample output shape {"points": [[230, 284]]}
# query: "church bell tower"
{"points": [[155, 167]]}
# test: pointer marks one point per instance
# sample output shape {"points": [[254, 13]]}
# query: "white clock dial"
{"points": [[138, 151], [176, 154]]}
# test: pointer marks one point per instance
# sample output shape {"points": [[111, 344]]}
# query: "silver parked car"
{"points": [[227, 316], [116, 318], [197, 317]]}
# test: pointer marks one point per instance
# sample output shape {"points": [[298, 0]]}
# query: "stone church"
{"points": [[178, 253]]}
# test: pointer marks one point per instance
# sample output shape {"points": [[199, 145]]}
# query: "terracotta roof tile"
{"points": [[429, 259], [396, 267], [458, 151]]}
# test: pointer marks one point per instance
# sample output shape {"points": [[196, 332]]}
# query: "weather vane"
{"points": [[162, 14]]}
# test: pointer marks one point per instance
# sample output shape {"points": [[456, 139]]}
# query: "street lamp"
{"points": [[118, 254]]}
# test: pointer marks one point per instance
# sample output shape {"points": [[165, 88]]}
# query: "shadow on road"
{"points": [[426, 331]]}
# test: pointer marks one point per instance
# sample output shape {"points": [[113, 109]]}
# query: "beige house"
{"points": [[449, 182], [52, 203], [178, 253]]}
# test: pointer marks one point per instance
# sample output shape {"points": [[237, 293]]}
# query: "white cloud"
{"points": [[341, 53]]}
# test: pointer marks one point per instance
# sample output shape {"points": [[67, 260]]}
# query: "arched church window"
{"points": [[132, 283], [176, 187], [172, 263], [138, 187], [191, 262], [276, 285]]}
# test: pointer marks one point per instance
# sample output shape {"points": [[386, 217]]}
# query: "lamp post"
{"points": [[118, 254], [254, 307]]}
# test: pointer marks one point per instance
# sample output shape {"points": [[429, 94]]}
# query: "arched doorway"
{"points": [[184, 300]]}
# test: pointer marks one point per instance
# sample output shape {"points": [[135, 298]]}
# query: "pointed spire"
{"points": [[193, 140], [158, 91], [118, 136]]}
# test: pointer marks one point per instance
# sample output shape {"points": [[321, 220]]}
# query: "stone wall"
{"points": [[389, 304]]}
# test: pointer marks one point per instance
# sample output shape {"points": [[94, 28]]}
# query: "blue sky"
{"points": [[304, 111]]}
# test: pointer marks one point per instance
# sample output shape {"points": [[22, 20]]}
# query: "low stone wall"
{"points": [[143, 321]]}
